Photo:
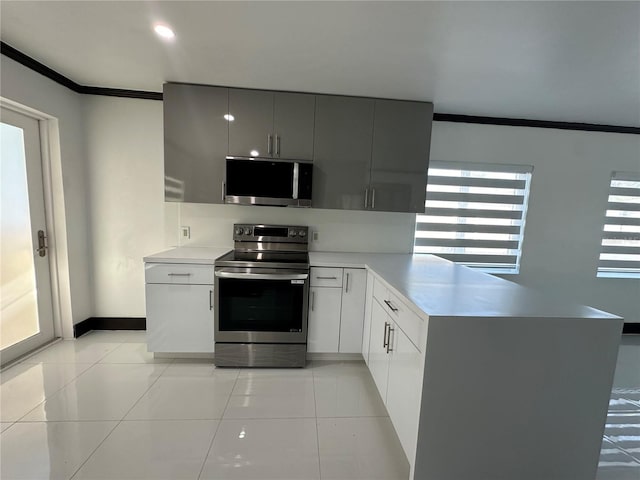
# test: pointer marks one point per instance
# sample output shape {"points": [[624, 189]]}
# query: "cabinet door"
{"points": [[252, 123], [400, 155], [378, 356], [354, 286], [324, 319], [342, 152], [195, 142], [366, 329], [404, 390], [293, 118], [179, 318]]}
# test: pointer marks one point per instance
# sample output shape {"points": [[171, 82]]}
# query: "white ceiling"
{"points": [[565, 61]]}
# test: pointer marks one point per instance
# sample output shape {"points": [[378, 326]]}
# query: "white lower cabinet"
{"points": [[366, 327], [352, 312], [180, 316], [404, 389], [396, 364], [378, 356], [324, 319], [336, 310]]}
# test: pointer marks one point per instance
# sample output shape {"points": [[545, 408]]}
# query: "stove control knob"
{"points": [[292, 233], [247, 231], [238, 231], [302, 233]]}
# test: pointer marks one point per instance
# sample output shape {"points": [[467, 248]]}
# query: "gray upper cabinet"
{"points": [[251, 131], [195, 142], [271, 124], [368, 154], [342, 151], [400, 155], [293, 125]]}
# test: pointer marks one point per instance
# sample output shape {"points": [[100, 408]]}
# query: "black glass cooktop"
{"points": [[300, 259]]}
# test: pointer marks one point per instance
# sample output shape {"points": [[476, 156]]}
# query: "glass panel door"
{"points": [[26, 318]]}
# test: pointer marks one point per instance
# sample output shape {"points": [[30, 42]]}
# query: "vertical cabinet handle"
{"points": [[347, 288], [366, 198], [210, 299], [270, 144], [278, 145], [389, 340], [313, 301], [373, 198], [385, 343], [224, 188]]}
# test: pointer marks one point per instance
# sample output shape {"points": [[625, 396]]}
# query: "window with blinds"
{"points": [[620, 252], [475, 214]]}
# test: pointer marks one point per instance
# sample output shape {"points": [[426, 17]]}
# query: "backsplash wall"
{"points": [[337, 230]]}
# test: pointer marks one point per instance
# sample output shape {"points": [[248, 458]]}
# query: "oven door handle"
{"points": [[262, 276]]}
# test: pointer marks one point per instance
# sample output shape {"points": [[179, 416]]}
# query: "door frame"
{"points": [[54, 213]]}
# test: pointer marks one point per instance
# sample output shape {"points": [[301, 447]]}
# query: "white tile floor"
{"points": [[102, 407]]}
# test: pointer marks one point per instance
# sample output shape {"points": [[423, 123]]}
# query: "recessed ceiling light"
{"points": [[228, 117], [254, 153], [164, 31]]}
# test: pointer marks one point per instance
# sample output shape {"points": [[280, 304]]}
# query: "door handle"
{"points": [[42, 243], [347, 287], [327, 278], [366, 198], [210, 300], [224, 188], [373, 198], [278, 145], [313, 301]]}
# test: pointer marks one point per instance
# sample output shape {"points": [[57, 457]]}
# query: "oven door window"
{"points": [[260, 305]]}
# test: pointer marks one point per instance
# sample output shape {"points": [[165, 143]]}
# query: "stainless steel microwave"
{"points": [[268, 181]]}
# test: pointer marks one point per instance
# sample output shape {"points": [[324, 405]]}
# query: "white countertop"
{"points": [[436, 287], [441, 288], [201, 255]]}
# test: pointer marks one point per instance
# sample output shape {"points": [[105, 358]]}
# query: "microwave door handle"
{"points": [[262, 276], [296, 177]]}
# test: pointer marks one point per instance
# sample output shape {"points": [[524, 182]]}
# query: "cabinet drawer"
{"points": [[412, 325], [380, 291], [326, 277], [178, 273]]}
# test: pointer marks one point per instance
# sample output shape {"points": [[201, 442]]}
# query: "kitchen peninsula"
{"points": [[482, 378]]}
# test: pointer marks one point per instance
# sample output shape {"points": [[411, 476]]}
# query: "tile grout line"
{"points": [[315, 406], [204, 462], [118, 422]]}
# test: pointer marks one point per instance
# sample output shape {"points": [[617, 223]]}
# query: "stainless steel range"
{"points": [[262, 290]]}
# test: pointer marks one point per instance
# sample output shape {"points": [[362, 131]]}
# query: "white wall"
{"points": [[126, 191], [569, 190], [33, 90], [337, 230], [562, 238]]}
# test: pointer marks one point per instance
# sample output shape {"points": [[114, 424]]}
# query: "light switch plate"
{"points": [[315, 236], [185, 232]]}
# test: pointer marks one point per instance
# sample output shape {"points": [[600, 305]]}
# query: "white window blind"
{"points": [[475, 214], [620, 252]]}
